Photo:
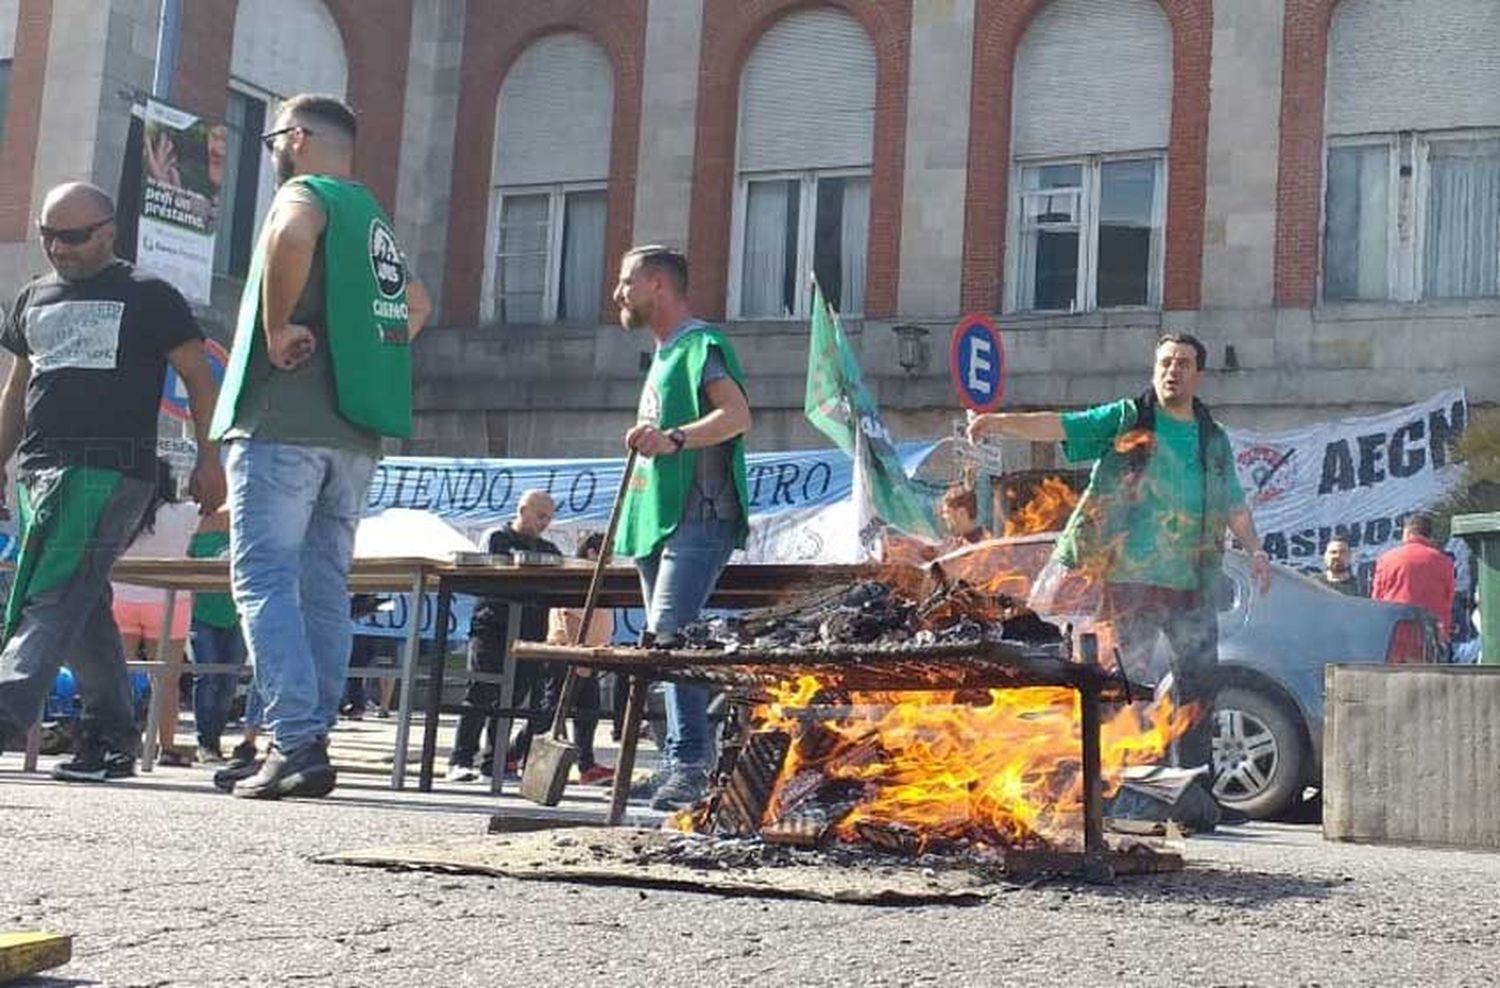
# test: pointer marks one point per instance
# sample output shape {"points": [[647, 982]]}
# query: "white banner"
{"points": [[1355, 477]]}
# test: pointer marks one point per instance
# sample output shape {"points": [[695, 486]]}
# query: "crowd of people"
{"points": [[319, 375]]}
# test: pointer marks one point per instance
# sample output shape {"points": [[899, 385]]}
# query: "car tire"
{"points": [[1260, 754]]}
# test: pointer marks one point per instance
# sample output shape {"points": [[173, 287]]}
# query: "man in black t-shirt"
{"points": [[536, 683], [89, 345]]}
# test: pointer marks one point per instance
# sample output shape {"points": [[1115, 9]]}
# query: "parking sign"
{"points": [[976, 363], [174, 396]]}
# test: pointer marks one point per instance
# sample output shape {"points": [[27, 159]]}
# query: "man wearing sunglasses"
{"points": [[89, 345], [319, 373]]}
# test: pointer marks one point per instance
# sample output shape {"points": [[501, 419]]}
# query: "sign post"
{"points": [[174, 395]]}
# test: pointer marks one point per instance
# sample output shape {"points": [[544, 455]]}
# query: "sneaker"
{"points": [[304, 772], [646, 788], [210, 754], [226, 777], [95, 764], [462, 773], [243, 754], [596, 775], [684, 787]]}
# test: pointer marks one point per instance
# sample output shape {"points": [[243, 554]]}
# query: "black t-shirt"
{"points": [[98, 352], [491, 614]]}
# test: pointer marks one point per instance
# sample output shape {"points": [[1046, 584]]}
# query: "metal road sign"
{"points": [[174, 396], [976, 363]]}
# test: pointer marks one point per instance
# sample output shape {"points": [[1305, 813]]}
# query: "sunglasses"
{"points": [[76, 237], [269, 137]]}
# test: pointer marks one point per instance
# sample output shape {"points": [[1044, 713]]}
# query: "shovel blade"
{"points": [[547, 766]]}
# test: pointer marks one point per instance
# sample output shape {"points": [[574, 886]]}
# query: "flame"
{"points": [[1047, 511], [1003, 772]]}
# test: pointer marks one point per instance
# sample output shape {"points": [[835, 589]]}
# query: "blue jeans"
{"points": [[676, 581], [213, 693], [293, 511]]}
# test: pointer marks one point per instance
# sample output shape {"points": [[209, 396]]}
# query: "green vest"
{"points": [[1110, 507], [660, 486], [367, 334]]}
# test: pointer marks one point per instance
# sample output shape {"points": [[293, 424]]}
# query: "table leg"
{"points": [[408, 682], [630, 734], [500, 739], [1096, 866], [435, 686], [163, 672], [33, 746]]}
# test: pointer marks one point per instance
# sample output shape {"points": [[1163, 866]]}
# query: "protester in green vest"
{"points": [[1151, 524], [90, 345], [686, 509], [319, 373]]}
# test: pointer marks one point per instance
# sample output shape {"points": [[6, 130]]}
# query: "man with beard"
{"points": [[686, 509], [89, 345], [320, 372], [1152, 521], [1337, 573]]}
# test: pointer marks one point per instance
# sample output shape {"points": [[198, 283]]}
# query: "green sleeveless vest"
{"points": [[366, 315], [659, 488]]}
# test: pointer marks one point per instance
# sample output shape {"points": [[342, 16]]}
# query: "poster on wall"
{"points": [[182, 171]]}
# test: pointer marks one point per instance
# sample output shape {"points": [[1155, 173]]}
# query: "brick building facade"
{"points": [[1091, 172]]}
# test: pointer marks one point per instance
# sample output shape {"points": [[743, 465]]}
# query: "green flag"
{"points": [[840, 406]]}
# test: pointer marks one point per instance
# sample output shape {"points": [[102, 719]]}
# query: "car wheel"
{"points": [[1259, 753]]}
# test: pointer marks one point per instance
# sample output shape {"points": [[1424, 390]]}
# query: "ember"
{"points": [[914, 772]]}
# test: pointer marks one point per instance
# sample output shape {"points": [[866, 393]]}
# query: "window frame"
{"points": [[1406, 258], [264, 192], [807, 220], [557, 193], [1087, 286]]}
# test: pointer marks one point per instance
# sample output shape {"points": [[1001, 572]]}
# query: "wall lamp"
{"points": [[911, 347]]}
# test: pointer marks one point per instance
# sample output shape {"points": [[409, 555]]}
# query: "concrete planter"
{"points": [[1411, 755]]}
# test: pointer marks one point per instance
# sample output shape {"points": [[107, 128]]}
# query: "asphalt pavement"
{"points": [[164, 881]]}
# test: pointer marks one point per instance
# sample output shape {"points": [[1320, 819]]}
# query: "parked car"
{"points": [[1268, 729]]}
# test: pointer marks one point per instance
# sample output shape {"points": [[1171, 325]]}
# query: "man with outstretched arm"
{"points": [[1151, 523]]}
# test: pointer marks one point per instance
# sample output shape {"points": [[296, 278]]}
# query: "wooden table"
{"points": [[566, 585], [384, 574]]}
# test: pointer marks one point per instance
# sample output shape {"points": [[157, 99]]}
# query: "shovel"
{"points": [[552, 756]]}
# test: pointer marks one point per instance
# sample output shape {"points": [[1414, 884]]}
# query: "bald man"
{"points": [[536, 683], [90, 344]]}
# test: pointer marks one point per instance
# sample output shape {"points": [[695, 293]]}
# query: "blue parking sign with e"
{"points": [[976, 364]]}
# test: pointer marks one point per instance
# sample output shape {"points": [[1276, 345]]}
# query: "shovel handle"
{"points": [[565, 698]]}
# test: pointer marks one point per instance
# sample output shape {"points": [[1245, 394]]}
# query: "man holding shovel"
{"points": [[686, 508]]}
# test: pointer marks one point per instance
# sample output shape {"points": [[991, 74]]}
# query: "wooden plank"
{"points": [[25, 954]]}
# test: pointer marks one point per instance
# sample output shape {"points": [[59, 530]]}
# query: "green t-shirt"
{"points": [[300, 407], [1161, 541], [213, 609]]}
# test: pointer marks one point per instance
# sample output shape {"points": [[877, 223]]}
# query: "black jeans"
{"points": [[1139, 613], [586, 718], [486, 653], [538, 687]]}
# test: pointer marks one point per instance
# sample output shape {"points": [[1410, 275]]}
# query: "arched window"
{"points": [[806, 139], [548, 204], [1412, 193], [280, 49], [1091, 116]]}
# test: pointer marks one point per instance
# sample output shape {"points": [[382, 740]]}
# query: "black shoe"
{"points": [[244, 761], [304, 772], [95, 764]]}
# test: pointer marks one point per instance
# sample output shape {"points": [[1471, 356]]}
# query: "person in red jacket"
{"points": [[1417, 572]]}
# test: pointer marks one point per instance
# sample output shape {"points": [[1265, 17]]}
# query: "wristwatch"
{"points": [[678, 437]]}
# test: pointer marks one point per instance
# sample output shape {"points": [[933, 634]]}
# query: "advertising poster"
{"points": [[182, 170]]}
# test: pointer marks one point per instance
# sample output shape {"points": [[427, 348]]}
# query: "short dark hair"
{"points": [[329, 111], [1186, 339], [591, 542], [664, 260], [1418, 523]]}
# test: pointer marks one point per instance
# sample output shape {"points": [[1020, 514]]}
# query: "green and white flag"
{"points": [[840, 406]]}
